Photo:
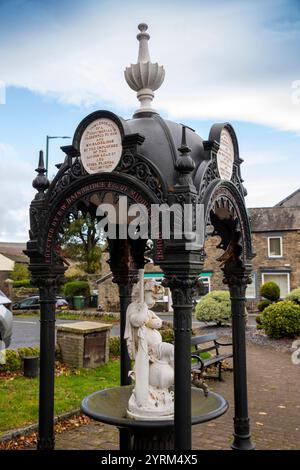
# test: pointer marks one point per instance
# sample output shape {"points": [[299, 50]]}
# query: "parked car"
{"points": [[33, 303], [6, 321]]}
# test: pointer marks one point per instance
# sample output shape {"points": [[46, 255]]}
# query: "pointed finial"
{"points": [[144, 77], [40, 182], [184, 164], [183, 147], [143, 38]]}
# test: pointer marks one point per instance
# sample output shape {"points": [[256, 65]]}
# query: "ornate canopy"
{"points": [[152, 161]]}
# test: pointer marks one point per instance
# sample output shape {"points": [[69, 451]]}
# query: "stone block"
{"points": [[84, 344]]}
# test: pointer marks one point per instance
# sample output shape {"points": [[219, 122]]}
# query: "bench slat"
{"points": [[203, 364], [210, 348], [203, 339]]}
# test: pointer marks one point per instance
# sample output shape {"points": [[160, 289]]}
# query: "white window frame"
{"points": [[253, 275], [281, 247], [207, 281], [278, 273]]}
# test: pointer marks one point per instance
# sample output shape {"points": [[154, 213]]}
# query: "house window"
{"points": [[275, 247], [281, 279], [251, 288], [206, 283]]}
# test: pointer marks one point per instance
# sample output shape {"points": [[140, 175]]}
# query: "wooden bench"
{"points": [[210, 343]]}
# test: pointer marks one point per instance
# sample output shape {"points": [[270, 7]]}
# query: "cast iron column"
{"points": [[182, 296], [124, 275], [125, 288], [47, 289], [125, 284], [237, 282]]}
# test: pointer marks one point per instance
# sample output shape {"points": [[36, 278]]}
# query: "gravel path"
{"points": [[253, 336]]}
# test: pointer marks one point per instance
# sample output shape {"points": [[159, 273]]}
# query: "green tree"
{"points": [[20, 272], [82, 243]]}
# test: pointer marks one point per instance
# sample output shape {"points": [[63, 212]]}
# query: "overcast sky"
{"points": [[225, 60]]}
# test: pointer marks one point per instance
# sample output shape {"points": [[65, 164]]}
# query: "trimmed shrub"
{"points": [[258, 320], [12, 361], [13, 357], [22, 283], [263, 304], [294, 296], [115, 346], [29, 351], [281, 320], [270, 290], [214, 307], [76, 288]]}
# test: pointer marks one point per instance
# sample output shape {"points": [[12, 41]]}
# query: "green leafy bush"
{"points": [[12, 361], [270, 290], [294, 296], [20, 272], [29, 351], [167, 334], [76, 288], [263, 304], [115, 346], [214, 307], [22, 283], [281, 320], [258, 320], [13, 357]]}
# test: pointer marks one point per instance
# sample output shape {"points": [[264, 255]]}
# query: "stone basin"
{"points": [[109, 406]]}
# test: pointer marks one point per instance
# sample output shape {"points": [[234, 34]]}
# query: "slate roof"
{"points": [[272, 219], [14, 251], [293, 200]]}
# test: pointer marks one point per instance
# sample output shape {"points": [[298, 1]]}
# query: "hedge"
{"points": [[76, 288], [22, 283]]}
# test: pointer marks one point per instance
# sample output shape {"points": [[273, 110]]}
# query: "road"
{"points": [[26, 330]]}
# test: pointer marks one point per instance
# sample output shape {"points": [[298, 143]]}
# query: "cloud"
{"points": [[268, 178], [15, 194], [262, 193], [224, 60]]}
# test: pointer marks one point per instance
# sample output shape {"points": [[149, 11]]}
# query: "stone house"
{"points": [[6, 267], [276, 242], [10, 254]]}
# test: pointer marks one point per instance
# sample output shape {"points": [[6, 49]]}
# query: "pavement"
{"points": [[274, 409]]}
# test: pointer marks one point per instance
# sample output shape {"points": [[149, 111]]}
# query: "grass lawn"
{"points": [[70, 315], [19, 396]]}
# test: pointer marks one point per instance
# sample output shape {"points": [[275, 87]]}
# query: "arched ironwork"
{"points": [[161, 162]]}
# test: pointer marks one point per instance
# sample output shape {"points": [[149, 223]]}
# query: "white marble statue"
{"points": [[153, 371]]}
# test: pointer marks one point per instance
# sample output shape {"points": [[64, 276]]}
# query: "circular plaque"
{"points": [[225, 155], [101, 146]]}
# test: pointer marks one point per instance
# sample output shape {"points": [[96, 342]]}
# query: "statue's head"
{"points": [[152, 291]]}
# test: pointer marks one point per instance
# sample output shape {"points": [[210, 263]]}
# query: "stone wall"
{"points": [[108, 291], [211, 263], [289, 262]]}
